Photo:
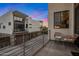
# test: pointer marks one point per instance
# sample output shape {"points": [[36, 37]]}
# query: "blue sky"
{"points": [[38, 11]]}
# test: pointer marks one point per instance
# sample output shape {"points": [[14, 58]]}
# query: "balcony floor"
{"points": [[55, 49]]}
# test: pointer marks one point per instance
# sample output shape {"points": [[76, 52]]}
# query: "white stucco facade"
{"points": [[4, 21], [55, 7], [33, 25]]}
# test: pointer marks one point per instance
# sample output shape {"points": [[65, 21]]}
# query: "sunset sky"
{"points": [[38, 11]]}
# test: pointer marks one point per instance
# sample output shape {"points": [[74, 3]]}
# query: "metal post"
{"points": [[30, 36], [12, 40], [23, 45], [49, 35], [43, 38], [41, 29]]}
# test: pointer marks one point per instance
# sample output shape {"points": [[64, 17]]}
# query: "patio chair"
{"points": [[58, 37]]}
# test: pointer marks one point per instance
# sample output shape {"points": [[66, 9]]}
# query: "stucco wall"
{"points": [[33, 25], [54, 7], [4, 19]]}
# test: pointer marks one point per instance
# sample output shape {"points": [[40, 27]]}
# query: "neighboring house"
{"points": [[15, 21], [32, 25], [57, 7]]}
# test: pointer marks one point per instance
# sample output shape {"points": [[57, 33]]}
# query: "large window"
{"points": [[17, 18], [61, 19], [18, 27], [18, 24]]}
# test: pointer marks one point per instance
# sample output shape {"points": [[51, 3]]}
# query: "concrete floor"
{"points": [[55, 49]]}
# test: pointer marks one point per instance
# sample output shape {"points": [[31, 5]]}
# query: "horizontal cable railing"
{"points": [[28, 47]]}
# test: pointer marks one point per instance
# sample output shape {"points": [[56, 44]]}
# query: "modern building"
{"points": [[32, 25], [15, 21]]}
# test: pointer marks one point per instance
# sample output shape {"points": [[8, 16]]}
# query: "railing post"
{"points": [[43, 37], [23, 45], [49, 34], [12, 40], [30, 36]]}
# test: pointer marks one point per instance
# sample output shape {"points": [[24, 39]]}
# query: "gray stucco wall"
{"points": [[53, 7]]}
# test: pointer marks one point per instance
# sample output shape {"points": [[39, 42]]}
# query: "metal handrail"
{"points": [[25, 48]]}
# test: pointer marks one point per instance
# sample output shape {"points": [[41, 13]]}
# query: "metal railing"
{"points": [[24, 44]]}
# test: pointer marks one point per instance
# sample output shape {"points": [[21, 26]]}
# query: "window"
{"points": [[0, 25], [3, 26], [30, 24], [61, 19], [57, 19], [30, 27], [9, 23], [20, 19], [18, 27], [17, 18], [26, 25]]}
